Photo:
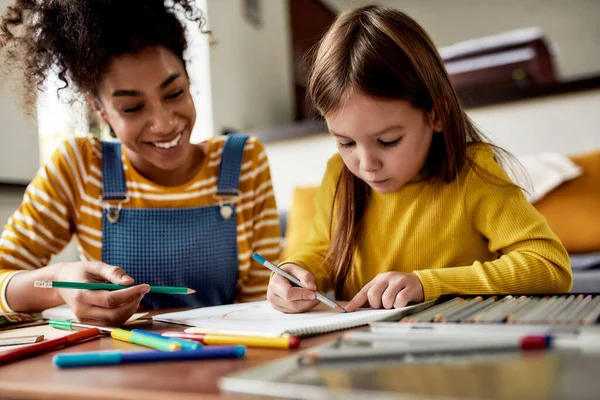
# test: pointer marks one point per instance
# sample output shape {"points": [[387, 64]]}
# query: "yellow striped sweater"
{"points": [[62, 201]]}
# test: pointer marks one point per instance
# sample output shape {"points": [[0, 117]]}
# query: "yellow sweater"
{"points": [[62, 201], [470, 236]]}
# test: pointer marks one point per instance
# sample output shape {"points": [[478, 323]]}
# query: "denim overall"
{"points": [[188, 247]]}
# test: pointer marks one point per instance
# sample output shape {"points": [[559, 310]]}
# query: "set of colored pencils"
{"points": [[568, 309]]}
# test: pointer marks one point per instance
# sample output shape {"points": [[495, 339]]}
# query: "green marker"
{"points": [[108, 286]]}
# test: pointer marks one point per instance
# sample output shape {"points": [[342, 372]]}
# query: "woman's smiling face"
{"points": [[145, 98]]}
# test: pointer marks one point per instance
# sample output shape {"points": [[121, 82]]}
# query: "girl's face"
{"points": [[383, 142], [145, 98]]}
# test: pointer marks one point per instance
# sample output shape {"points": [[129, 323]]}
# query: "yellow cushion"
{"points": [[299, 219], [573, 209]]}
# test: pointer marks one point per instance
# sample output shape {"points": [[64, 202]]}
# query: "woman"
{"points": [[153, 208]]}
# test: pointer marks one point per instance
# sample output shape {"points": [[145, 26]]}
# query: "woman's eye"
{"points": [[344, 145], [175, 95], [132, 109], [393, 143]]}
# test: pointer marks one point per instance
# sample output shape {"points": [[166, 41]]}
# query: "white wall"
{"points": [[298, 162], [251, 67], [572, 25], [568, 124], [19, 152], [198, 67]]}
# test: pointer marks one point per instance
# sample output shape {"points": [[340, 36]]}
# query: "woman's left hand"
{"points": [[389, 290]]}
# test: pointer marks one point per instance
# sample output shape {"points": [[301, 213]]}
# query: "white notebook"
{"points": [[259, 316]]}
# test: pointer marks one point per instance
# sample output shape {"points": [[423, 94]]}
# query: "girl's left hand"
{"points": [[389, 290]]}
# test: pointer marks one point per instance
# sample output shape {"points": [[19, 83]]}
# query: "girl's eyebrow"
{"points": [[378, 133]]}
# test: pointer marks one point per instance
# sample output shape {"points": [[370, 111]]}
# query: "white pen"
{"points": [[296, 282]]}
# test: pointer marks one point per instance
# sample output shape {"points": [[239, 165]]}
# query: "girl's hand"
{"points": [[389, 290], [291, 299], [101, 307]]}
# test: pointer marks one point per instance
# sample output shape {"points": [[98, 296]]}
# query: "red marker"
{"points": [[49, 345]]}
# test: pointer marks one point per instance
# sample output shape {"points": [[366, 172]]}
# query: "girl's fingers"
{"points": [[388, 298], [360, 298], [376, 292], [402, 298], [293, 307]]}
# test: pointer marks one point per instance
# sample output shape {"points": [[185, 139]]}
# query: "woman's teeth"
{"points": [[168, 145]]}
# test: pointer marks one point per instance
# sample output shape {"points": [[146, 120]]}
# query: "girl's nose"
{"points": [[369, 163]]}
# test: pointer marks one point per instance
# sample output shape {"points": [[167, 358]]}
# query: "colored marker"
{"points": [[372, 353], [294, 281], [98, 358], [527, 342], [48, 345], [69, 325], [144, 340], [185, 344], [232, 332], [284, 342], [108, 286]]}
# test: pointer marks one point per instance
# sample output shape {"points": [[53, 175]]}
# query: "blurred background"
{"points": [[527, 72]]}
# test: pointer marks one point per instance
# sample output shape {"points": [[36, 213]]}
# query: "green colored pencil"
{"points": [[108, 286]]}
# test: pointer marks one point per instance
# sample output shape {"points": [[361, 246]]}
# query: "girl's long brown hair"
{"points": [[383, 53]]}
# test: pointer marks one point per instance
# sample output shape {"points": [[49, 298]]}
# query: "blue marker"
{"points": [[295, 282], [73, 360], [185, 344]]}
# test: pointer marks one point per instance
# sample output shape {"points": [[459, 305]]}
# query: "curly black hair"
{"points": [[79, 37]]}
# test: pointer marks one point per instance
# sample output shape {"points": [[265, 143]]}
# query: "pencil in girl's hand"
{"points": [[295, 282], [108, 286]]}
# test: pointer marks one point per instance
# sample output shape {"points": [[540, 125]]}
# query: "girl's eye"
{"points": [[175, 95], [133, 109], [345, 145], [393, 143]]}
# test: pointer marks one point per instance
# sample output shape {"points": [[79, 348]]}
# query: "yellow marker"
{"points": [[232, 332], [284, 342], [143, 340], [290, 342]]}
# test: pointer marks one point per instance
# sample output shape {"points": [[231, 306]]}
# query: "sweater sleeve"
{"points": [[266, 234], [41, 226], [314, 250], [530, 258]]}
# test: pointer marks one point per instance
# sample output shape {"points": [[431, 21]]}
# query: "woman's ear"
{"points": [[96, 107]]}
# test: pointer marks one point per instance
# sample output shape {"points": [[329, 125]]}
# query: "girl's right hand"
{"points": [[292, 299], [101, 307]]}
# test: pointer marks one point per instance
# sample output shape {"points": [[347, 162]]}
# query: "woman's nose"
{"points": [[162, 121]]}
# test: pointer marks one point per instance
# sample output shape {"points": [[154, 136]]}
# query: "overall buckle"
{"points": [[226, 204], [113, 208]]}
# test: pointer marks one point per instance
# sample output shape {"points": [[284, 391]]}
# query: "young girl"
{"points": [[414, 206], [153, 209]]}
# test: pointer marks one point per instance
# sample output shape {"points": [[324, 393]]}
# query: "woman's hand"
{"points": [[389, 290], [291, 299], [101, 307]]}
